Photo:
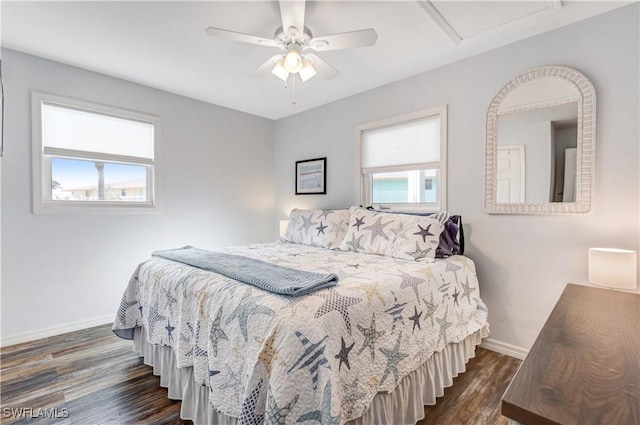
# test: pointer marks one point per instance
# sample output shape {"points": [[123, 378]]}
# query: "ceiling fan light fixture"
{"points": [[280, 71], [307, 71], [293, 61], [294, 40]]}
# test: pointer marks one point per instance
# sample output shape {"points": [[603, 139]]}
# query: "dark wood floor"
{"points": [[92, 377], [474, 398]]}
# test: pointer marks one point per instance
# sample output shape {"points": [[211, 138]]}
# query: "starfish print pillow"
{"points": [[322, 228], [408, 237]]}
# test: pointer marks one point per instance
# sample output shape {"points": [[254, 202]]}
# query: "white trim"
{"points": [[439, 111], [555, 4], [440, 20], [539, 105], [55, 330], [447, 28], [82, 105], [504, 348], [516, 23], [400, 168], [358, 167], [43, 205], [411, 116], [96, 156], [444, 158], [96, 207]]}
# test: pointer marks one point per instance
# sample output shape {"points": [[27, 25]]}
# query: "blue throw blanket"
{"points": [[267, 276]]}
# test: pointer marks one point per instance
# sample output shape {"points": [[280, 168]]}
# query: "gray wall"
{"points": [[523, 262], [216, 184]]}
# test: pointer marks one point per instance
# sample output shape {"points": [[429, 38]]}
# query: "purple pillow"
{"points": [[451, 238]]}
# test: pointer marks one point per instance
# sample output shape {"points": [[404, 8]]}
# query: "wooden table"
{"points": [[584, 367]]}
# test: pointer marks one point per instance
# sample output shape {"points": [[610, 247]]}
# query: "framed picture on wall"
{"points": [[311, 177]]}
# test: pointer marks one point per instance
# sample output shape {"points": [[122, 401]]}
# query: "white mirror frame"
{"points": [[585, 166]]}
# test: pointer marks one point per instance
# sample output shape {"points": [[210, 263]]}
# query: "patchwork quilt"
{"points": [[322, 357]]}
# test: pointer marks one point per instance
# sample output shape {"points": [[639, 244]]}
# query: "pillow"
{"points": [[409, 237], [323, 228], [452, 237]]}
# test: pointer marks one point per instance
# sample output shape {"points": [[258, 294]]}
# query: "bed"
{"points": [[392, 332]]}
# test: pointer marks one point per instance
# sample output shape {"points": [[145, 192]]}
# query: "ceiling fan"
{"points": [[297, 41]]}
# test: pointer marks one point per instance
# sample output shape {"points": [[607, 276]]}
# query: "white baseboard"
{"points": [[504, 348], [55, 330]]}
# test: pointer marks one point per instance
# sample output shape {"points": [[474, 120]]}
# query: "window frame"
{"points": [[363, 181], [41, 163]]}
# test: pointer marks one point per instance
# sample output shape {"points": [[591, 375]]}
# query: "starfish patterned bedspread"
{"points": [[273, 359]]}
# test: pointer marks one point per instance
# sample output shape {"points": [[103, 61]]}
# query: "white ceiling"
{"points": [[162, 44]]}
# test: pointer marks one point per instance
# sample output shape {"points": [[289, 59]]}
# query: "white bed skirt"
{"points": [[405, 405]]}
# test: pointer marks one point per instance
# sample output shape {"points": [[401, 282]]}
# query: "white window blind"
{"points": [[401, 146], [65, 130]]}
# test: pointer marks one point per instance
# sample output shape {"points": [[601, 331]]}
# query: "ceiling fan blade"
{"points": [[266, 67], [325, 70], [241, 37], [292, 13], [345, 40]]}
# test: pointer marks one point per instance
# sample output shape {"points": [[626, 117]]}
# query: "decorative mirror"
{"points": [[540, 144]]}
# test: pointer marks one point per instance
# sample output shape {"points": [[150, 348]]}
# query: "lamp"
{"points": [[283, 227], [293, 63], [280, 71], [613, 268], [307, 71]]}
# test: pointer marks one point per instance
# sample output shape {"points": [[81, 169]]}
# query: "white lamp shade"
{"points": [[280, 71], [613, 268], [283, 227], [293, 61], [307, 70]]}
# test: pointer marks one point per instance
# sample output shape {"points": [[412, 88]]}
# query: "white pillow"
{"points": [[323, 228], [409, 237]]}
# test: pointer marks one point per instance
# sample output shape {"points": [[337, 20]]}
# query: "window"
{"points": [[91, 157], [403, 161]]}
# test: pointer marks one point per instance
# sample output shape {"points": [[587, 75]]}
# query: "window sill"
{"points": [[94, 207]]}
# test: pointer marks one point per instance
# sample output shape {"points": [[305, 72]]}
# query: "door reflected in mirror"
{"points": [[537, 155]]}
